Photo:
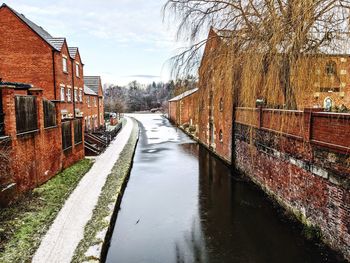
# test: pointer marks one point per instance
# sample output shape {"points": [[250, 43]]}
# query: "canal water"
{"points": [[184, 205]]}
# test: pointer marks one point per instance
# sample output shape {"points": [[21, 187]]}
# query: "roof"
{"points": [[73, 51], [89, 91], [183, 95], [54, 42], [93, 82]]}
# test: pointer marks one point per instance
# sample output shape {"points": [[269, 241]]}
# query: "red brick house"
{"points": [[93, 106], [54, 71]]}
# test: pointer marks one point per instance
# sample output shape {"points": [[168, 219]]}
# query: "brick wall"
{"points": [[309, 178], [218, 110], [34, 157], [25, 57]]}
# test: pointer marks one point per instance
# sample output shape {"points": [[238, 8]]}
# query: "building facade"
{"points": [[94, 105], [41, 123], [300, 157]]}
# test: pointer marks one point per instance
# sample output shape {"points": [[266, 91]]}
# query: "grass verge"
{"points": [[24, 223], [111, 194]]}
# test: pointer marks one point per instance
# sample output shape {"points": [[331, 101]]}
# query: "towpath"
{"points": [[67, 230]]}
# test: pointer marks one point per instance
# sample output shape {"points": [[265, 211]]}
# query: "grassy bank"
{"points": [[23, 224], [109, 198]]}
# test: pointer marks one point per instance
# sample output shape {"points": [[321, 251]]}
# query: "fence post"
{"points": [[8, 104], [307, 122], [38, 93]]}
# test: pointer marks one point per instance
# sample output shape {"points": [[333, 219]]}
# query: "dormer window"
{"points": [[77, 70], [64, 64]]}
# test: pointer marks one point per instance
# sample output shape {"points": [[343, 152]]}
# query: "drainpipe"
{"points": [[54, 74], [73, 88]]}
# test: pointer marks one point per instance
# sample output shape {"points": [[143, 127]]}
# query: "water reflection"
{"points": [[189, 208]]}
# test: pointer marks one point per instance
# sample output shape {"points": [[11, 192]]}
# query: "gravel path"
{"points": [[64, 235]]}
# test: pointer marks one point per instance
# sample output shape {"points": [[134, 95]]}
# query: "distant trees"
{"points": [[137, 97]]}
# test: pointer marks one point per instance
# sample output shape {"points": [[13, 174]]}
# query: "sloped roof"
{"points": [[93, 82], [183, 95], [73, 52], [55, 42], [89, 91]]}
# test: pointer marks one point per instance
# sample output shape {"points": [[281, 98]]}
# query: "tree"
{"points": [[267, 41]]}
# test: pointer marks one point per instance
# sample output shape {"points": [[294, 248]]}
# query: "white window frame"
{"points": [[88, 101], [77, 69], [69, 94], [80, 95], [65, 64], [63, 93], [76, 94]]}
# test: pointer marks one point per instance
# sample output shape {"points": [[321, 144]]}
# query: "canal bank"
{"points": [[67, 230], [184, 205], [97, 233]]}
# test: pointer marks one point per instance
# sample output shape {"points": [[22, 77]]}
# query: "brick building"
{"points": [[94, 105], [183, 110], [215, 98], [35, 144], [54, 71], [300, 157]]}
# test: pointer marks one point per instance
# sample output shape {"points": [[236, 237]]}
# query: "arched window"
{"points": [[221, 136], [221, 106], [328, 103], [331, 68]]}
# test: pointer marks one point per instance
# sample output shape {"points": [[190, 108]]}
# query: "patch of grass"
{"points": [[110, 193], [24, 223]]}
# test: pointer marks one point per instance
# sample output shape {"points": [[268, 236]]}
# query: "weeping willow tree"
{"points": [[271, 48]]}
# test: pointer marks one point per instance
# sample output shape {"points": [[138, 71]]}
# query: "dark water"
{"points": [[183, 205]]}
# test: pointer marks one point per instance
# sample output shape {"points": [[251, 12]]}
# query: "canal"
{"points": [[184, 205]]}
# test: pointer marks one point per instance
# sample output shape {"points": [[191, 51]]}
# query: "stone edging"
{"points": [[98, 252]]}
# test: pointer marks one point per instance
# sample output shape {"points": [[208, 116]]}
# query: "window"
{"points": [[64, 64], [69, 94], [75, 94], [95, 101], [221, 137], [328, 104], [221, 106], [62, 93], [331, 68], [77, 69], [88, 101], [80, 95]]}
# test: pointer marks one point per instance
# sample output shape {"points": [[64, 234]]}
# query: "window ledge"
{"points": [[28, 132], [50, 128], [67, 149]]}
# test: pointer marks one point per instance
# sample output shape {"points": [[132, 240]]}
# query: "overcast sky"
{"points": [[121, 40]]}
